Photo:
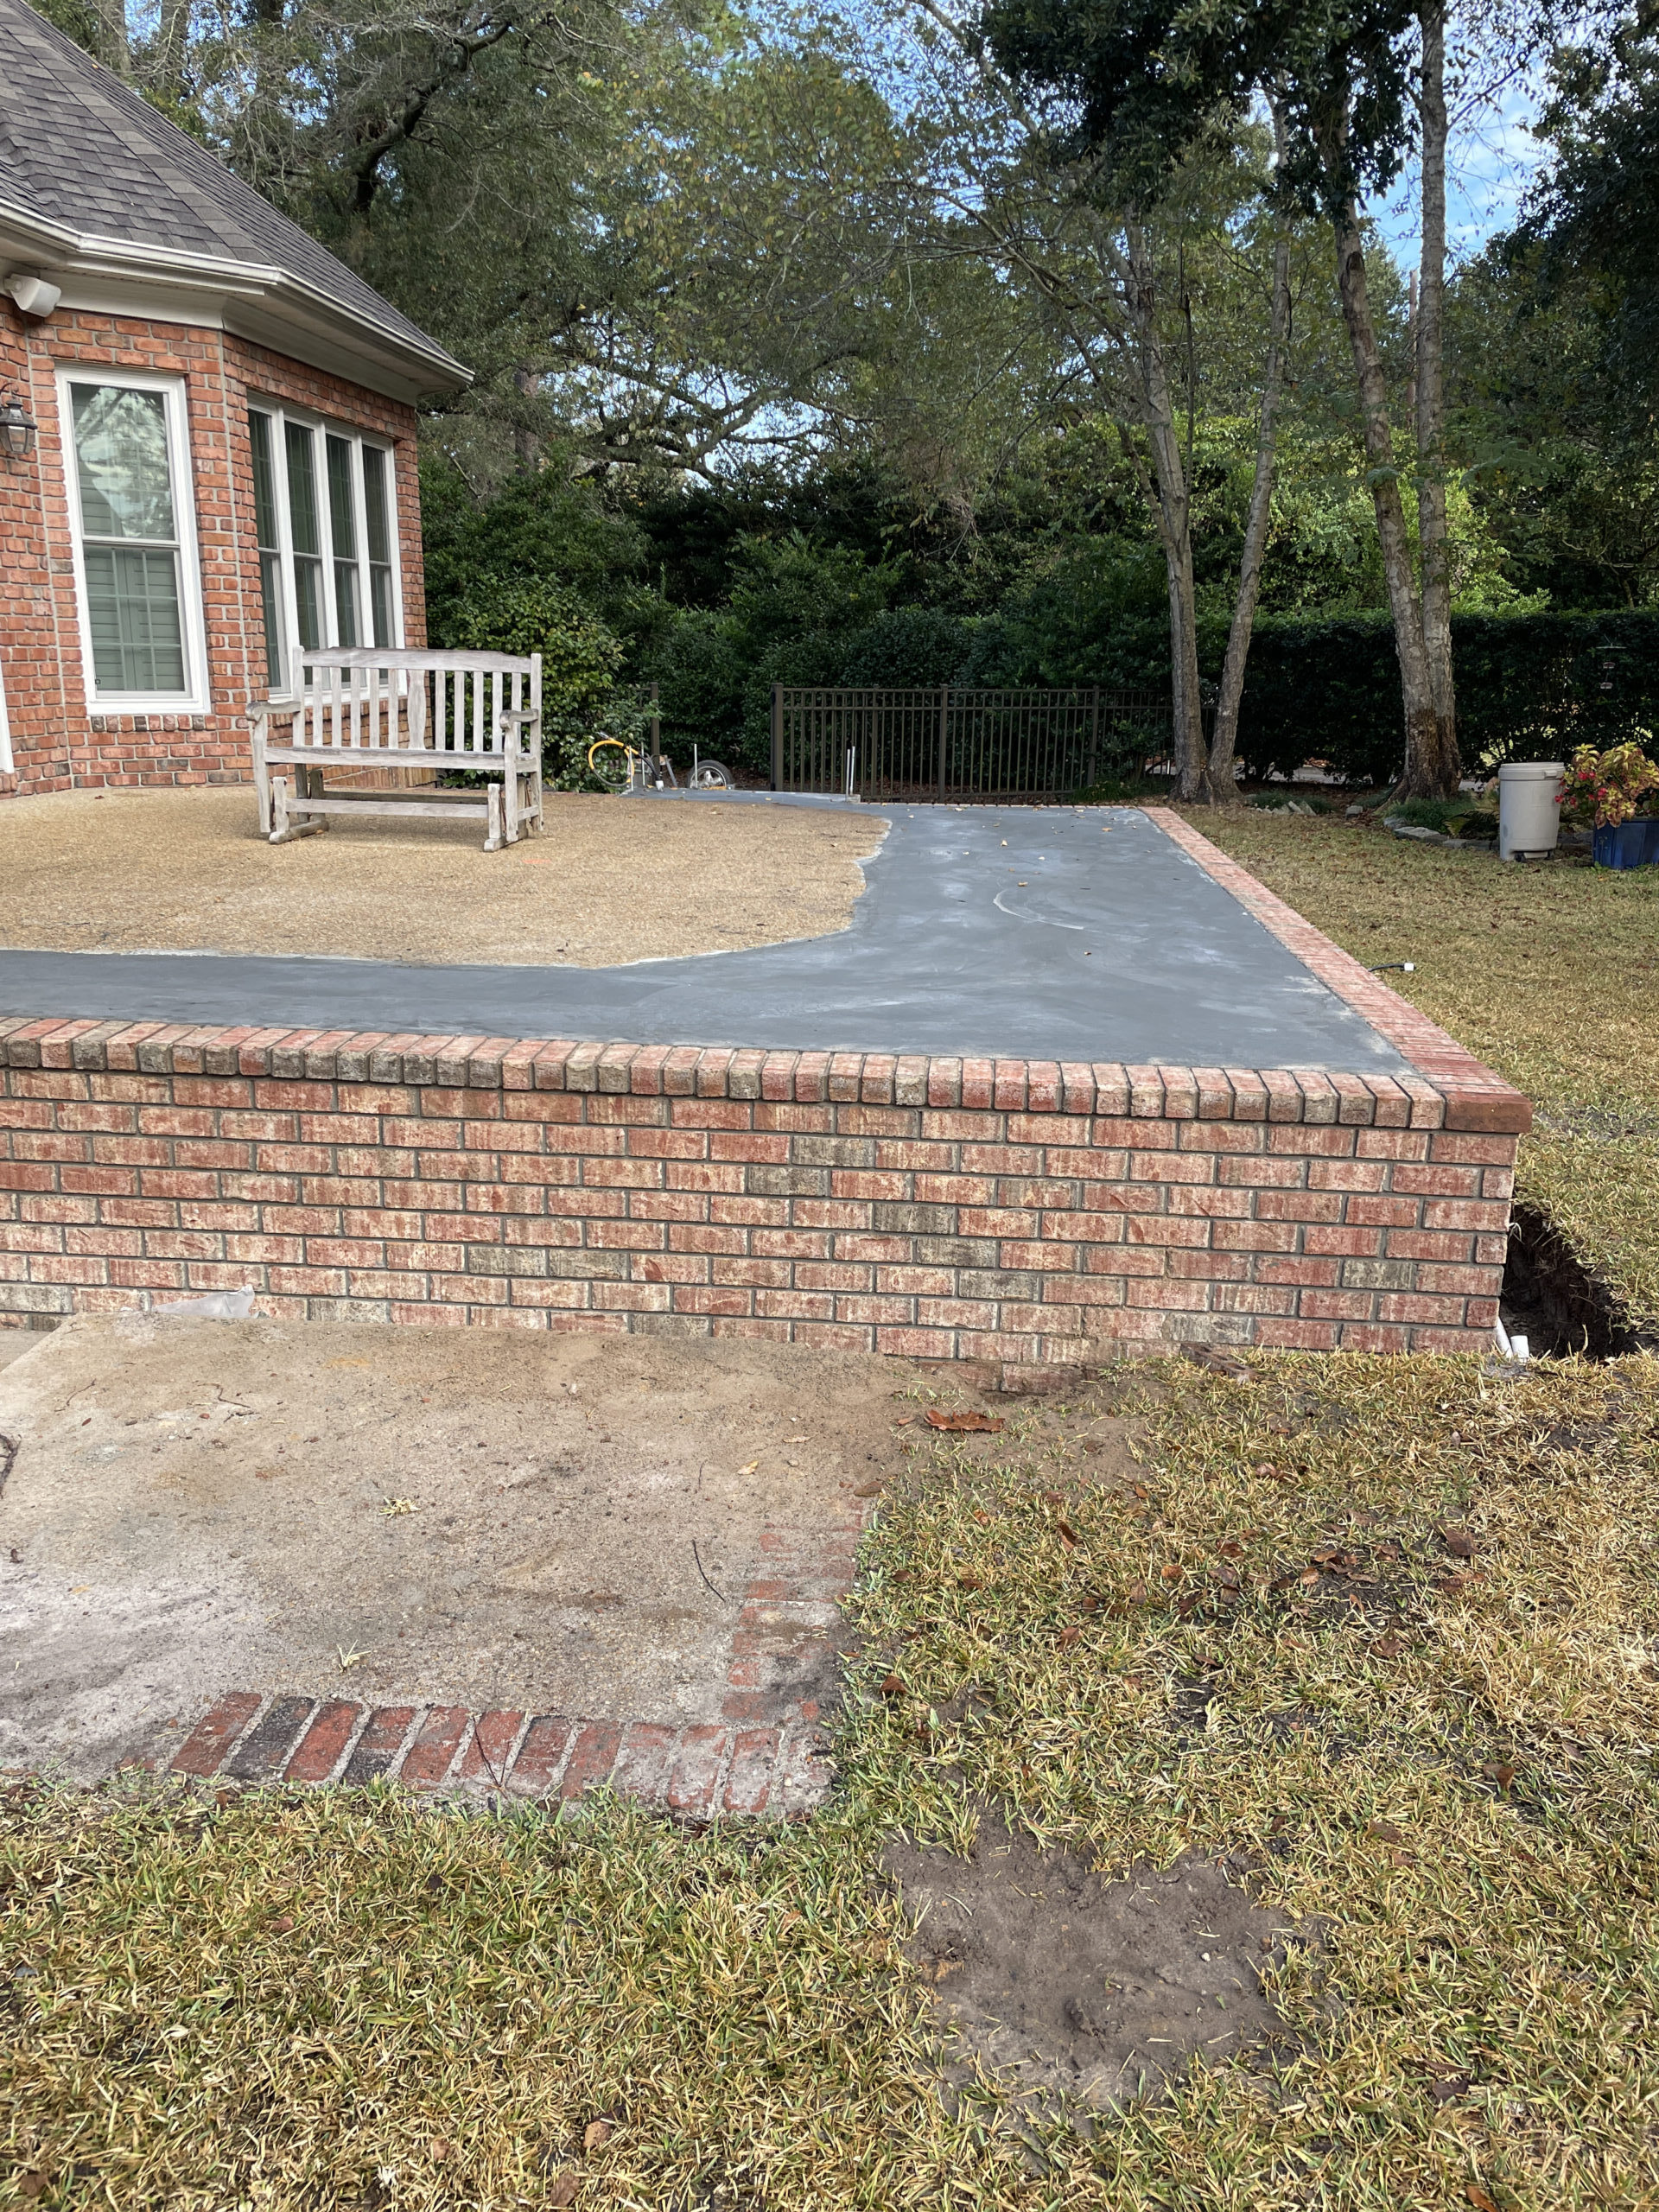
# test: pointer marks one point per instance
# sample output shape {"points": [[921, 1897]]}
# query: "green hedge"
{"points": [[1529, 687]]}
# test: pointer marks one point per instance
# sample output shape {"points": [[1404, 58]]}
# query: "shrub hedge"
{"points": [[1529, 687]]}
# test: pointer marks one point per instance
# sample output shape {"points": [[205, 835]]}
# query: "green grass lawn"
{"points": [[1441, 1767], [1550, 973]]}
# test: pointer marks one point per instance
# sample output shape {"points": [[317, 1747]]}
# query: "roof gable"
{"points": [[82, 151]]}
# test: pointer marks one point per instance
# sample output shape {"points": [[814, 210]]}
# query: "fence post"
{"points": [[1093, 737], [657, 725], [945, 719], [777, 737]]}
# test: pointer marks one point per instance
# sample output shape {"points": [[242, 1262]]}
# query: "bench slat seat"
{"points": [[383, 706]]}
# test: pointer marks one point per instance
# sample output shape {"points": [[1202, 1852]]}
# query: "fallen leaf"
{"points": [[1385, 1832], [1459, 1543], [983, 1518], [1070, 1635], [1226, 1577], [908, 1421], [1068, 1535], [283, 1923], [968, 1582], [1502, 1774], [868, 1490], [1135, 1594], [562, 2189], [1169, 1572], [1387, 1647], [892, 1687], [1141, 1490], [440, 2148], [1093, 1446], [991, 1424], [32, 2184], [1478, 2198], [596, 2133], [1053, 1497], [1310, 1580], [1089, 1604], [1231, 1549]]}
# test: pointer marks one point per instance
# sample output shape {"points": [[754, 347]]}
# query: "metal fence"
{"points": [[1011, 747]]}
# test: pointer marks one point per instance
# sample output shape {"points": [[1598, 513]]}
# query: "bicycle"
{"points": [[623, 768]]}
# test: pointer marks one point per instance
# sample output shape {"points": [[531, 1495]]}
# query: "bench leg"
{"points": [[284, 827], [497, 835]]}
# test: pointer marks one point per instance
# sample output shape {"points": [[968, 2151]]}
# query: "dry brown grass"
{"points": [[1441, 1767], [609, 879], [1551, 974]]}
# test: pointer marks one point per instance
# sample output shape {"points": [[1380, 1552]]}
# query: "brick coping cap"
{"points": [[1447, 1087]]}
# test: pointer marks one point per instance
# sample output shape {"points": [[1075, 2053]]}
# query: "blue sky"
{"points": [[1492, 158]]}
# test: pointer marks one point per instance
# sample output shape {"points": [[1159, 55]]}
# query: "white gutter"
{"points": [[62, 250]]}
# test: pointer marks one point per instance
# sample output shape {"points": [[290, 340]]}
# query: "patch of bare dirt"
{"points": [[1098, 1991]]}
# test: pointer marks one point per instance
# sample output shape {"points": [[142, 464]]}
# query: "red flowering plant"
{"points": [[1606, 788]]}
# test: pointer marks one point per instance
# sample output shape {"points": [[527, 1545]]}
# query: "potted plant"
{"points": [[1606, 790]]}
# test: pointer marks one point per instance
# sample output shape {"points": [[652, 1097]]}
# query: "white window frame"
{"points": [[279, 414], [197, 698]]}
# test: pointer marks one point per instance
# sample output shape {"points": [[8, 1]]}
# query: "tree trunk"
{"points": [[114, 44], [1417, 696], [1172, 514], [526, 446], [1435, 769], [1221, 780], [173, 47]]}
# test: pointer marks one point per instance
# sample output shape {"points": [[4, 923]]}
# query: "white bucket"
{"points": [[1529, 808]]}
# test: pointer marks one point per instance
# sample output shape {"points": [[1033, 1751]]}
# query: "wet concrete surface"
{"points": [[1043, 933], [552, 1523]]}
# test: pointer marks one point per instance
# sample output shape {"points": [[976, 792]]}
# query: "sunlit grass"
{"points": [[1550, 973], [1268, 1640]]}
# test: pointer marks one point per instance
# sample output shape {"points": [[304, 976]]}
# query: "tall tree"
{"points": [[1359, 84]]}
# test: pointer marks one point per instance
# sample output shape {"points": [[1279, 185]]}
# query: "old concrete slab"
{"points": [[1043, 933], [625, 1528]]}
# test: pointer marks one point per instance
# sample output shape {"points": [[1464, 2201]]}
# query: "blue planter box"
{"points": [[1632, 844]]}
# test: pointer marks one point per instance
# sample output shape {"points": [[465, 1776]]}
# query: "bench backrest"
{"points": [[387, 699]]}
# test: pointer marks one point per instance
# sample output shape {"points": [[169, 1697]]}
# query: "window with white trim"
{"points": [[128, 444], [327, 527]]}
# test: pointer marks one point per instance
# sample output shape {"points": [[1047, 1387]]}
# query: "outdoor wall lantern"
{"points": [[17, 430]]}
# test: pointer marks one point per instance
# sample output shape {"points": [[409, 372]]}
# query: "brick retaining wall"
{"points": [[1011, 1209]]}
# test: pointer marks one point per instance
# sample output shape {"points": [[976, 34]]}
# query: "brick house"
{"points": [[222, 453]]}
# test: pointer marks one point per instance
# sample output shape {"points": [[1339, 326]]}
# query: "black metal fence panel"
{"points": [[1003, 747]]}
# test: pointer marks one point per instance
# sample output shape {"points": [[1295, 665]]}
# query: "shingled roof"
{"points": [[82, 153]]}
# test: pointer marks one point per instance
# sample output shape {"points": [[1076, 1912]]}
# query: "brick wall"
{"points": [[57, 741], [1011, 1209]]}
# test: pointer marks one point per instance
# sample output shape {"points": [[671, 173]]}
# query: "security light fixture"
{"points": [[17, 430]]}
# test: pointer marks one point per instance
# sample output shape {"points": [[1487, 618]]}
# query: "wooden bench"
{"points": [[378, 707]]}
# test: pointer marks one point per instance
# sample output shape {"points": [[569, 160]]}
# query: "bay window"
{"points": [[127, 444], [326, 531]]}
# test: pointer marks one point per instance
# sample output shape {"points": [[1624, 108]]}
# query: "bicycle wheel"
{"points": [[711, 776], [612, 762]]}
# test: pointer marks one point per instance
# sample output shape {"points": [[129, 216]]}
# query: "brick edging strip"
{"points": [[1475, 1097], [693, 1771]]}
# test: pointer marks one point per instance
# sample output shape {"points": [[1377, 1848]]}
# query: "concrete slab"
{"points": [[624, 1528], [1044, 933]]}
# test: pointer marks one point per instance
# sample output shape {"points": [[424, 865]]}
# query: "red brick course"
{"points": [[58, 741], [847, 1199], [694, 1772]]}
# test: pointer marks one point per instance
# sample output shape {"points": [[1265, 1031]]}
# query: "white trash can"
{"points": [[1529, 808]]}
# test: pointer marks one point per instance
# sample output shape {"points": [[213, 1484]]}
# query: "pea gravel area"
{"points": [[608, 880]]}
